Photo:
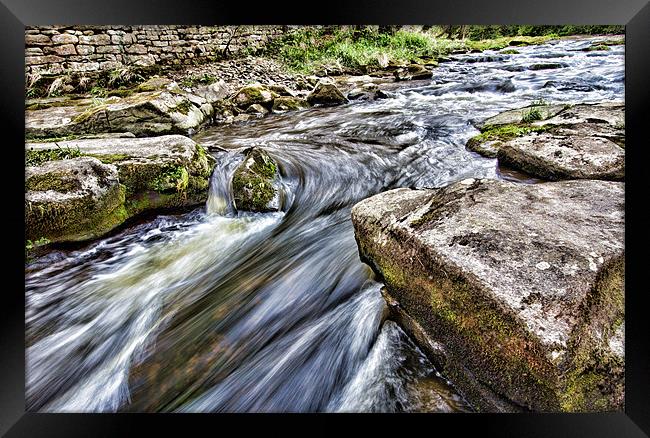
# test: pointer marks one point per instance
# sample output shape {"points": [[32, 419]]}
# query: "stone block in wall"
{"points": [[47, 69], [48, 59], [159, 43], [63, 50], [33, 51], [37, 40], [64, 38], [178, 43], [110, 65], [95, 40], [108, 49], [85, 50], [82, 66], [139, 49]]}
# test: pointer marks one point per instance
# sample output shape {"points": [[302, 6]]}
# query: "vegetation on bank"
{"points": [[369, 47], [334, 48]]}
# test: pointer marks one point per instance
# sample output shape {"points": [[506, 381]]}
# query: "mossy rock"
{"points": [[72, 199], [287, 103], [254, 183], [253, 94], [514, 303], [153, 173]]}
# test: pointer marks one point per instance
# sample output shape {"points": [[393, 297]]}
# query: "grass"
{"points": [[38, 157], [506, 132], [204, 79], [345, 48], [532, 115]]}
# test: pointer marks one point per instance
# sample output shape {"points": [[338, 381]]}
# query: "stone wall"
{"points": [[54, 50]]}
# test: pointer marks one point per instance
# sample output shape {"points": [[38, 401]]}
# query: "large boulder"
{"points": [[327, 94], [255, 183], [514, 290], [155, 112], [73, 199], [155, 173]]}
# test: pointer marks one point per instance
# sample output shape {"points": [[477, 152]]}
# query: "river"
{"points": [[215, 310]]}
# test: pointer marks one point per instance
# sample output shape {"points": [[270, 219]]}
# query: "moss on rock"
{"points": [[253, 183]]}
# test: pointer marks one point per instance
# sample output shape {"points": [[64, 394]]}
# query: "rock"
{"points": [[281, 90], [555, 157], [142, 113], [547, 66], [214, 92], [603, 120], [554, 142], [412, 72], [257, 109], [514, 290], [74, 199], [326, 94], [255, 93], [283, 104], [368, 91], [254, 183], [517, 115], [162, 172]]}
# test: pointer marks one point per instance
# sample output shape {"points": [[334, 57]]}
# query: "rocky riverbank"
{"points": [[516, 291], [94, 162]]}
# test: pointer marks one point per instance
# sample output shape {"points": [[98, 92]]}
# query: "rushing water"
{"points": [[218, 310]]}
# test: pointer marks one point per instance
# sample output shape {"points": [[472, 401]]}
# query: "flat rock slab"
{"points": [[519, 286], [517, 115], [166, 111], [169, 171], [555, 157]]}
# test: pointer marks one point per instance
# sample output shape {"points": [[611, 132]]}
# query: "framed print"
{"points": [[425, 210]]}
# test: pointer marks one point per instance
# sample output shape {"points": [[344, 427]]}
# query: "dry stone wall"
{"points": [[54, 50]]}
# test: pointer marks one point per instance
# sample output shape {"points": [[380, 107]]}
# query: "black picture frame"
{"points": [[16, 14]]}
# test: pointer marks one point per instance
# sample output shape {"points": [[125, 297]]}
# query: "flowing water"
{"points": [[223, 311]]}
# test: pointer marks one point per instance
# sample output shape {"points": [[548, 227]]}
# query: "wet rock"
{"points": [[367, 91], [555, 157], [254, 93], [412, 72], [327, 94], [547, 66], [255, 183], [163, 172], [573, 85], [157, 112], [257, 109], [74, 199], [517, 289], [286, 103]]}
